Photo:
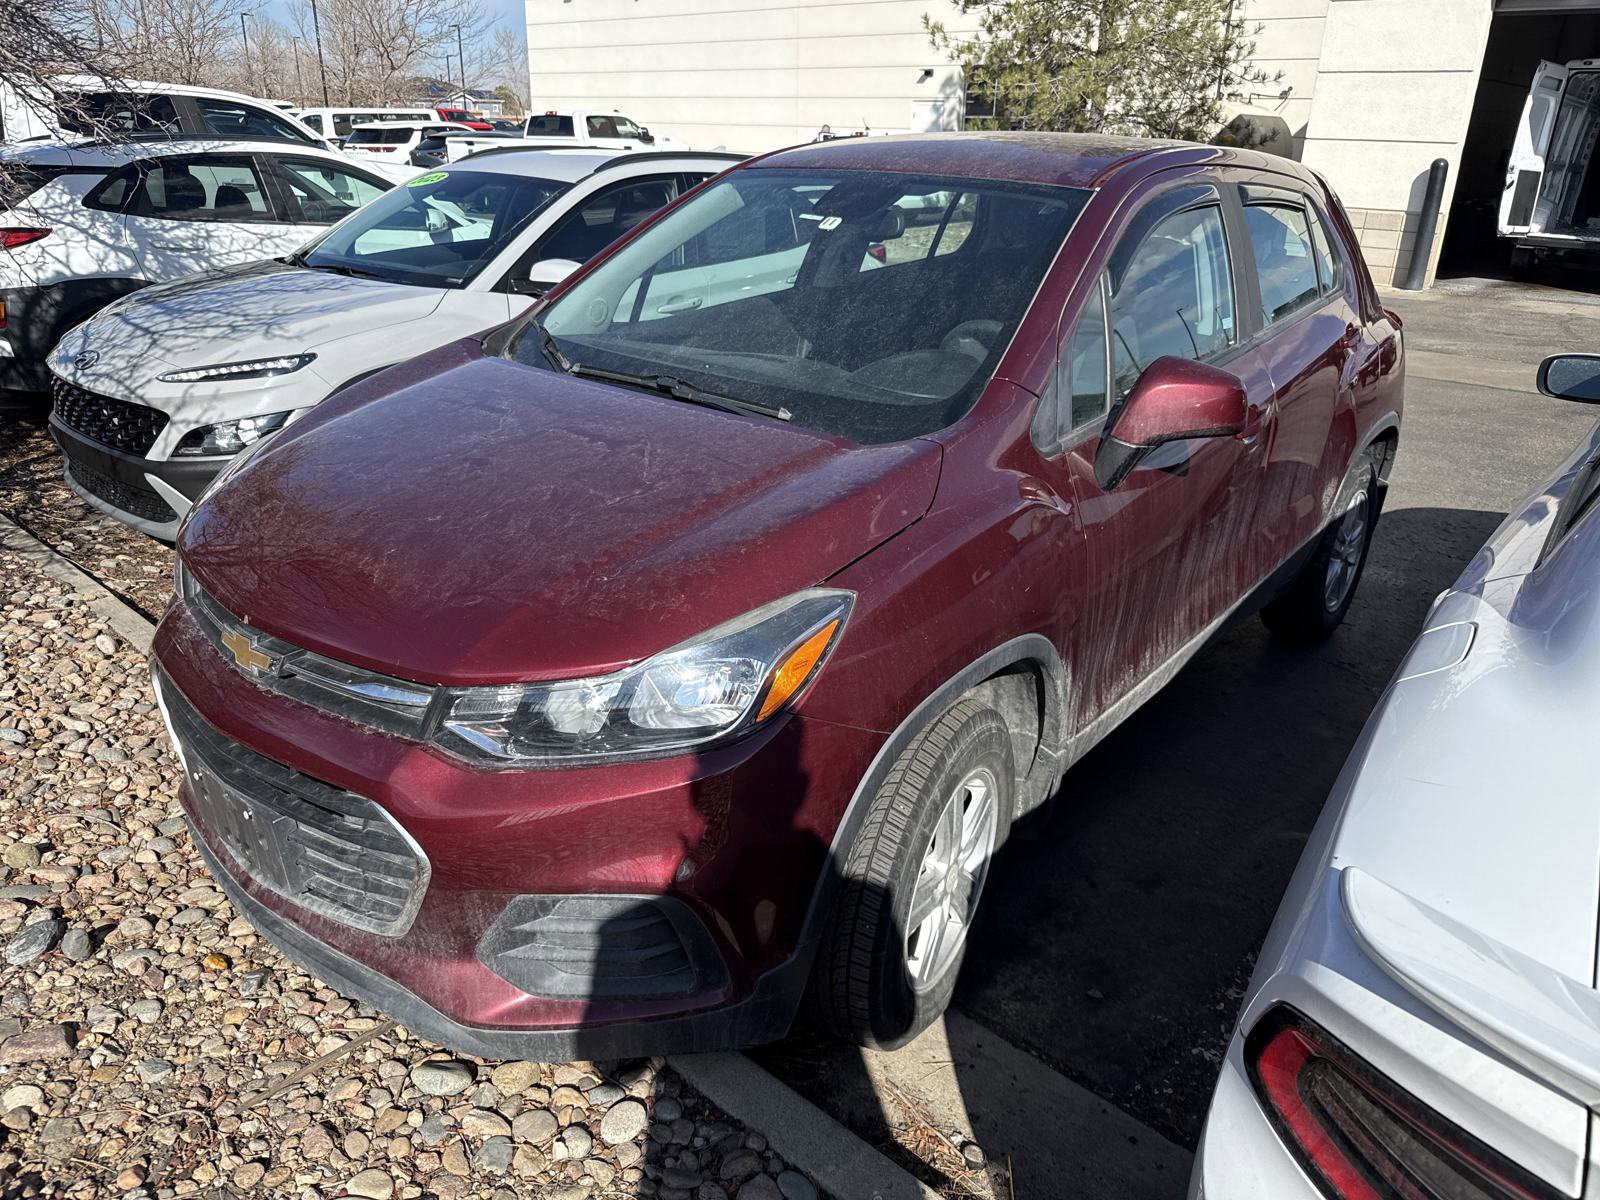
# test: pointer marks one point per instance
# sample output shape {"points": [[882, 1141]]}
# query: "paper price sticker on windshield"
{"points": [[430, 177]]}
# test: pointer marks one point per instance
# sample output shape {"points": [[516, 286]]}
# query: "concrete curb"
{"points": [[129, 623], [841, 1163], [806, 1137]]}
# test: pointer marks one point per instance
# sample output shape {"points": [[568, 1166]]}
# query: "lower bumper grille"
{"points": [[130, 498], [330, 851]]}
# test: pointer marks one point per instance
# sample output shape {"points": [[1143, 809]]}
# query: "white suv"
{"points": [[156, 393], [85, 223], [395, 139]]}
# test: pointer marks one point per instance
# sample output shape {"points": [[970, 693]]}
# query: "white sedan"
{"points": [[1423, 1022], [156, 394]]}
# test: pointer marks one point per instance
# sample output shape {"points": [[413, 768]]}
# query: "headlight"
{"points": [[229, 437], [257, 368], [712, 689]]}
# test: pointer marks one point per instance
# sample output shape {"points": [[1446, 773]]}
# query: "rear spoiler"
{"points": [[1545, 1022]]}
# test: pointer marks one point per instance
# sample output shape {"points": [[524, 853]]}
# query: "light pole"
{"points": [[316, 28], [245, 34], [461, 58]]}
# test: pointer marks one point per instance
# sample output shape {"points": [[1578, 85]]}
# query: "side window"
{"points": [[213, 189], [1083, 375], [113, 192], [1285, 262], [602, 127], [91, 112], [230, 118], [1175, 296], [1330, 272], [314, 121], [604, 217], [324, 193]]}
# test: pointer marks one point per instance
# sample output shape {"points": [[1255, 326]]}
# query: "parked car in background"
{"points": [[83, 224], [462, 116], [395, 140], [142, 107], [578, 127], [432, 150], [1423, 1020], [335, 124], [156, 395], [683, 645]]}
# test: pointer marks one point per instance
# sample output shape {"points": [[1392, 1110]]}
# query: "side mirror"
{"points": [[1571, 377], [646, 137], [1173, 400], [544, 275]]}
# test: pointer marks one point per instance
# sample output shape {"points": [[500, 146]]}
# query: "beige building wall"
{"points": [[746, 75], [1390, 90]]}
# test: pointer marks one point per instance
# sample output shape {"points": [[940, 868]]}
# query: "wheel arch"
{"points": [[1024, 678]]}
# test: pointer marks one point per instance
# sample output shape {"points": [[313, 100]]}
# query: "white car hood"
{"points": [[257, 311]]}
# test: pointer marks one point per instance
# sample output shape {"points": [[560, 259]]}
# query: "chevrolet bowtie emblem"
{"points": [[245, 653]]}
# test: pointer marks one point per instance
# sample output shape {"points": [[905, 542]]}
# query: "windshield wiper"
{"points": [[679, 390], [341, 269], [547, 343]]}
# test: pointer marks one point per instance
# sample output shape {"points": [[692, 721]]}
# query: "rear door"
{"points": [[1310, 327], [199, 212], [1525, 170]]}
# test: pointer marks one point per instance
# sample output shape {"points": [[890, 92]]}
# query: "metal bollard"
{"points": [[1432, 201]]}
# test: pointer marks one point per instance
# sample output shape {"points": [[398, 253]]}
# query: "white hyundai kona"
{"points": [[156, 393], [1423, 1023]]}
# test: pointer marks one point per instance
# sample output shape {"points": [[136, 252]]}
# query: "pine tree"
{"points": [[1152, 67]]}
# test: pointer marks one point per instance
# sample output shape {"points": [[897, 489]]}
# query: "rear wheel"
{"points": [[1316, 602], [913, 881]]}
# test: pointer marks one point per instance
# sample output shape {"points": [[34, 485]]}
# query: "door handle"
{"points": [[1351, 338], [683, 304]]}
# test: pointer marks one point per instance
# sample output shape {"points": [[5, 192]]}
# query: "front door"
{"points": [[1169, 546]]}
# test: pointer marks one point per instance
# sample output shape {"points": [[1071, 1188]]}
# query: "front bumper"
{"points": [[151, 495], [498, 958]]}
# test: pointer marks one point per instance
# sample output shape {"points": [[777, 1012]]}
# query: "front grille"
{"points": [[330, 851], [129, 497], [602, 947], [393, 705], [131, 428]]}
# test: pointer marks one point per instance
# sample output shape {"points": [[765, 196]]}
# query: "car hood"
{"points": [[464, 519], [233, 315]]}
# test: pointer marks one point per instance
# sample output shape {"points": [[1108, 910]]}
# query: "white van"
{"points": [[140, 107], [335, 124], [1551, 204]]}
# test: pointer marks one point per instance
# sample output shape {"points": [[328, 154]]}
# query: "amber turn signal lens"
{"points": [[796, 669]]}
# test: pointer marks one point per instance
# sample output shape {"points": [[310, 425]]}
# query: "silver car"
{"points": [[1423, 1021]]}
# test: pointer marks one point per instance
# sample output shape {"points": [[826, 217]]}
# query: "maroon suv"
{"points": [[600, 686]]}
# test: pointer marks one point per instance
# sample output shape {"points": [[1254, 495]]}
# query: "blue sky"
{"points": [[508, 13]]}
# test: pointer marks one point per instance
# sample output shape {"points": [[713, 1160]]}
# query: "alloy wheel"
{"points": [[949, 883], [1344, 560]]}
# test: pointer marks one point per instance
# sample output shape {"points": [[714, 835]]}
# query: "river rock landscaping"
{"points": [[153, 1046]]}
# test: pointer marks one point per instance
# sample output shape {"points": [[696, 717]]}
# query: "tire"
{"points": [[1316, 602], [874, 983]]}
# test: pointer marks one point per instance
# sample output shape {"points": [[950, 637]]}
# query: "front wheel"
{"points": [[1316, 602], [913, 881]]}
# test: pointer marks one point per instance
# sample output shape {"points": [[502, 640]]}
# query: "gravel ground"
{"points": [[34, 495], [151, 1045]]}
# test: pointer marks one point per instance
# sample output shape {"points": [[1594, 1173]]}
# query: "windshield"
{"points": [[438, 230], [874, 306]]}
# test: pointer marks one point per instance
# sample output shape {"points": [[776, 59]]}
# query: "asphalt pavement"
{"points": [[1114, 949]]}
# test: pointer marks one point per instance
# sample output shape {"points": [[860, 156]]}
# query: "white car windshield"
{"points": [[870, 305], [437, 230]]}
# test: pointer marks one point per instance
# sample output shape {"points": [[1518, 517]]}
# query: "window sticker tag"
{"points": [[830, 223], [430, 177]]}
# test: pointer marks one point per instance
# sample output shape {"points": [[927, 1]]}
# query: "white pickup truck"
{"points": [[575, 127]]}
